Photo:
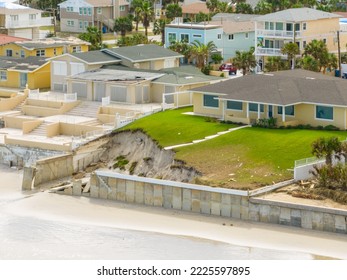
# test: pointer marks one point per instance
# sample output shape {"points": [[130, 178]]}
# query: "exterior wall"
{"points": [[40, 78], [74, 16], [199, 108], [240, 43], [214, 201]]}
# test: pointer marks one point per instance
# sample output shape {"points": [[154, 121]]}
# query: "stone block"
{"points": [[253, 214], [187, 200], [196, 201], [285, 218], [340, 224], [68, 191], [121, 188], [140, 192], [244, 201], [236, 211], [226, 205], [77, 187], [176, 198], [216, 203], [103, 192], [328, 222], [148, 194], [235, 200], [158, 195], [28, 177], [130, 191], [306, 219], [244, 214], [264, 213], [317, 220], [295, 218], [274, 215], [112, 182], [205, 202], [167, 192], [94, 186]]}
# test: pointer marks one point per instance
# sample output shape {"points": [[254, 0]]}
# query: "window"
{"points": [[172, 37], [54, 51], [85, 10], [40, 53], [253, 107], [246, 35], [234, 105], [231, 36], [210, 101], [80, 23], [122, 8], [3, 75], [289, 110], [90, 11], [99, 11], [185, 38], [69, 9], [59, 68], [304, 26], [76, 68], [76, 49], [269, 25], [324, 112], [70, 23], [86, 24], [32, 16], [22, 53], [197, 36], [297, 26], [219, 36], [81, 11], [8, 52], [289, 27], [279, 25], [324, 40], [304, 44]]}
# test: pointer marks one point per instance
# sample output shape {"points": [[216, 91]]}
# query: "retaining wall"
{"points": [[214, 201]]}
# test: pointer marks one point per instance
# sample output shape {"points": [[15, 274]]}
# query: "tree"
{"points": [[134, 40], [212, 5], [328, 60], [94, 37], [274, 63], [318, 50], [243, 8], [245, 60], [309, 63], [291, 50], [182, 48], [263, 7], [201, 52], [323, 147], [159, 28], [200, 17], [173, 11], [123, 25], [136, 10], [146, 15]]}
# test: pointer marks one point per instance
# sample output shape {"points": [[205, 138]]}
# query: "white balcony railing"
{"points": [[278, 33], [268, 51], [46, 21]]}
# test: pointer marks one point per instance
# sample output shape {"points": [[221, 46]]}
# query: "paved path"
{"points": [[206, 138]]}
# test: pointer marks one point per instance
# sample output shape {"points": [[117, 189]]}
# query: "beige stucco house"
{"points": [[292, 97]]}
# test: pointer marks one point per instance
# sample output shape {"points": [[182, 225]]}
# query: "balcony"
{"points": [[278, 33], [268, 51], [46, 21]]}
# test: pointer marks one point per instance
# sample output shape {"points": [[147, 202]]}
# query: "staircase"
{"points": [[19, 106], [93, 122], [40, 130], [85, 109]]}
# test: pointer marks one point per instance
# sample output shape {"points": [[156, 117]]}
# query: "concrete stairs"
{"points": [[19, 106], [93, 122], [85, 109], [40, 130]]}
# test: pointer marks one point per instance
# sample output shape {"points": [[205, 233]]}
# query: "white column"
{"points": [[247, 109], [258, 111], [283, 113], [224, 102], [345, 119]]}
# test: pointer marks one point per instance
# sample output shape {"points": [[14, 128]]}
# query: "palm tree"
{"points": [[291, 50], [122, 25], [323, 147], [146, 14], [182, 48], [274, 63], [201, 52], [135, 8], [315, 48], [328, 60], [245, 60], [93, 36], [159, 28]]}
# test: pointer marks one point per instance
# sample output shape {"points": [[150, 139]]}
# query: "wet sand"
{"points": [[133, 222]]}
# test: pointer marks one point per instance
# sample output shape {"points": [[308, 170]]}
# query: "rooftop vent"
{"points": [[310, 78]]}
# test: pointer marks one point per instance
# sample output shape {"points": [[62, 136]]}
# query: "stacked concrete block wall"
{"points": [[213, 201]]}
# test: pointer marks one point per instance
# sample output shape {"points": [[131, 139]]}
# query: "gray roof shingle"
{"points": [[96, 57], [27, 64], [297, 15], [283, 88]]}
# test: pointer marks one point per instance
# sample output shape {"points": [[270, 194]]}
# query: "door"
{"points": [[270, 111], [23, 79]]}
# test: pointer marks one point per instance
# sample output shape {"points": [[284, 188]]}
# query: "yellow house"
{"points": [[291, 97], [299, 25], [49, 47], [17, 72]]}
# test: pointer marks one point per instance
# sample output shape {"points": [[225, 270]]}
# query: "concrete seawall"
{"points": [[213, 201]]}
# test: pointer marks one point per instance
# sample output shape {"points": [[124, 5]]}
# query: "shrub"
{"points": [[120, 163], [132, 167]]}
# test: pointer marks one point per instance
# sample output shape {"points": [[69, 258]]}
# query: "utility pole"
{"points": [[339, 52]]}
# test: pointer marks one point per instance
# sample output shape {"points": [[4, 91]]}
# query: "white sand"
{"points": [[83, 210]]}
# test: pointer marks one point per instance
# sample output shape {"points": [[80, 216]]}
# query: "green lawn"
{"points": [[172, 127], [246, 158]]}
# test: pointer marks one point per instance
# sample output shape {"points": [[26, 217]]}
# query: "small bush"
{"points": [[132, 167], [120, 163], [331, 127]]}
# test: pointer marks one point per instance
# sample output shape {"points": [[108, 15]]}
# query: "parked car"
{"points": [[228, 66]]}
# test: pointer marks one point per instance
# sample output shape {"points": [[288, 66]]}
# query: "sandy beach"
{"points": [[29, 215]]}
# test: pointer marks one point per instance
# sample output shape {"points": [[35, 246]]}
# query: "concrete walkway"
{"points": [[206, 138]]}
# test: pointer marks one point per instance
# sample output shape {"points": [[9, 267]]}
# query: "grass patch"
{"points": [[173, 127], [132, 167], [120, 162]]}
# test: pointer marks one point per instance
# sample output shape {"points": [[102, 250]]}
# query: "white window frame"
{"points": [[59, 68], [22, 53], [246, 35], [14, 17], [86, 24], [3, 75], [99, 10], [322, 119], [219, 36], [76, 49], [231, 36], [168, 37], [76, 68], [71, 23], [80, 24], [197, 36], [122, 8], [32, 16], [8, 51], [304, 26], [184, 34], [41, 52]]}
